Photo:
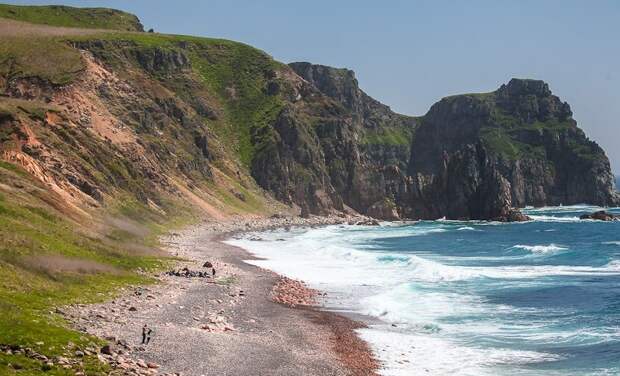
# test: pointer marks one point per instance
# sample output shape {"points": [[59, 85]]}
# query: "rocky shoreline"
{"points": [[243, 320]]}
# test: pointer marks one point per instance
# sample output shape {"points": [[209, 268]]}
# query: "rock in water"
{"points": [[600, 216]]}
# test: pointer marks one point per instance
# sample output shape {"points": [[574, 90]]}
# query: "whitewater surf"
{"points": [[468, 297]]}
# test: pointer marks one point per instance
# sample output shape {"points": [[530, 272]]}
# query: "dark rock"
{"points": [[600, 215], [468, 162], [187, 273], [107, 349], [368, 222]]}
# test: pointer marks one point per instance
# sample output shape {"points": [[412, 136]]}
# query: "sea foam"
{"points": [[541, 249]]}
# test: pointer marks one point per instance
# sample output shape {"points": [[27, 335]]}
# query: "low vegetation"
{"points": [[48, 260], [57, 15]]}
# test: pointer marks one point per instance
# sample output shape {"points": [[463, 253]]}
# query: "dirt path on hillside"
{"points": [[227, 327]]}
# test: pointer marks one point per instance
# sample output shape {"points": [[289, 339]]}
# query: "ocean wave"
{"points": [[435, 299], [414, 354], [551, 218], [612, 243], [433, 271], [541, 249], [568, 208]]}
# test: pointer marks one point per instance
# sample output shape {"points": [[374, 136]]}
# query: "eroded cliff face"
{"points": [[366, 148], [222, 125], [475, 156]]}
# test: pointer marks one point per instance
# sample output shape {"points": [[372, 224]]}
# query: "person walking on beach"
{"points": [[213, 272], [146, 334], [144, 331]]}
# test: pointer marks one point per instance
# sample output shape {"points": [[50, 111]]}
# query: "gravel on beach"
{"points": [[242, 321]]}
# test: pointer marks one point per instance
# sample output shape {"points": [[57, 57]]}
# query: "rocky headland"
{"points": [[111, 136]]}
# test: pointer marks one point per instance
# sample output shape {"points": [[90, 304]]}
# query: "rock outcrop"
{"points": [[223, 124], [478, 155], [600, 215]]}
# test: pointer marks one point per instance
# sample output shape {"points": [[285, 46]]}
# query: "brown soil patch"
{"points": [[63, 189]]}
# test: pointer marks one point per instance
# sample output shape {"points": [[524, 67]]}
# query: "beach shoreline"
{"points": [[230, 326]]}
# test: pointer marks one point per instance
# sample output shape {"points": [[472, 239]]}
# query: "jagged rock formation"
{"points": [[476, 155], [366, 146], [164, 118]]}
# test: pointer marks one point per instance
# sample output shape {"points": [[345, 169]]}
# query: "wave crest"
{"points": [[541, 249]]}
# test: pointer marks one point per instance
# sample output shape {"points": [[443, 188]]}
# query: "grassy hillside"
{"points": [[57, 15], [47, 260], [109, 137], [100, 155]]}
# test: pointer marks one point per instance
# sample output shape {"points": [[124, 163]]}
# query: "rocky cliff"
{"points": [[110, 136], [170, 119], [476, 155]]}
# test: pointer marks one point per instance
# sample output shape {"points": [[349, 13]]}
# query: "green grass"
{"points": [[226, 281], [56, 15], [497, 140], [388, 136], [45, 57], [234, 73], [32, 228]]}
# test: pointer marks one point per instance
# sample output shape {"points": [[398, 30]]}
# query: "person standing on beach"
{"points": [[145, 329], [213, 272], [148, 335]]}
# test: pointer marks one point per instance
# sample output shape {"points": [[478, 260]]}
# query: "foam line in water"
{"points": [[401, 354], [551, 218], [541, 249], [446, 323]]}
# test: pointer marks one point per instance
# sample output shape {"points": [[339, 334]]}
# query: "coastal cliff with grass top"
{"points": [[111, 136]]}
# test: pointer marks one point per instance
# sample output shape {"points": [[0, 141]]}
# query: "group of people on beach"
{"points": [[147, 332]]}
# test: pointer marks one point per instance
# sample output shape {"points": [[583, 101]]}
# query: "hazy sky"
{"points": [[409, 54]]}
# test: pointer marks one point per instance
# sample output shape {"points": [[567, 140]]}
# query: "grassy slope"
{"points": [[33, 222], [391, 136], [47, 58], [48, 260], [56, 15], [34, 225], [233, 71]]}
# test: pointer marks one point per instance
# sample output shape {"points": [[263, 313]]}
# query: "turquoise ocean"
{"points": [[468, 297]]}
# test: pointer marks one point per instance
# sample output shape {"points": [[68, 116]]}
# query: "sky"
{"points": [[409, 54]]}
